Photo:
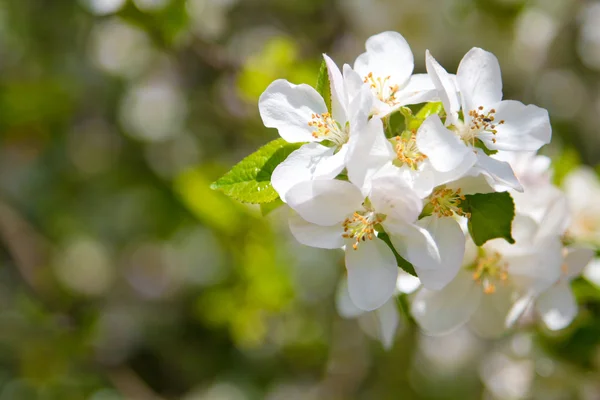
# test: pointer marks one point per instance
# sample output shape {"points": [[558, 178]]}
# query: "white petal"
{"points": [[525, 128], [479, 80], [391, 196], [443, 148], [499, 172], [446, 87], [289, 108], [450, 241], [301, 165], [442, 311], [557, 306], [339, 98], [407, 283], [592, 272], [372, 274], [518, 309], [324, 202], [419, 89], [415, 244], [557, 217], [577, 259], [388, 54], [344, 305], [368, 151], [388, 323], [489, 320], [536, 272], [324, 237], [360, 109], [353, 82]]}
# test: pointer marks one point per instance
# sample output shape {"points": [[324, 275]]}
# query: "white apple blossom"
{"points": [[334, 213], [476, 96], [582, 188], [386, 67], [492, 278], [300, 115], [557, 305]]}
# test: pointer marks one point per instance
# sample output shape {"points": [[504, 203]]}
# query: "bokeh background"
{"points": [[123, 276]]}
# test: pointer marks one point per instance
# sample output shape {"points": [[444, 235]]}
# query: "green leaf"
{"points": [[323, 85], [402, 263], [491, 216], [266, 208], [250, 180], [428, 109]]}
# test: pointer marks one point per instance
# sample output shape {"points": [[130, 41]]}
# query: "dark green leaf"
{"points": [[491, 216]]}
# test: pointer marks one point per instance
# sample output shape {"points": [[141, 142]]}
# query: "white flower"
{"points": [[557, 306], [486, 119], [381, 323], [300, 115], [334, 213], [583, 191], [540, 200], [491, 278], [387, 68]]}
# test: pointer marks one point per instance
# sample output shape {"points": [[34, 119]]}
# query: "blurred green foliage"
{"points": [[124, 276]]}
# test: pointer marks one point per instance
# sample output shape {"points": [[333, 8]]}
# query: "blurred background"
{"points": [[123, 276]]}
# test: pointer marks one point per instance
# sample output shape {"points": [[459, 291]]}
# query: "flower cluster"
{"points": [[454, 193]]}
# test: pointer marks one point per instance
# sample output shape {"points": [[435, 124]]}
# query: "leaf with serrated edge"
{"points": [[266, 208], [249, 181], [491, 216]]}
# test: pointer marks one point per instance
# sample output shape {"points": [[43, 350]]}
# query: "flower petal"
{"points": [[498, 172], [419, 89], [415, 244], [388, 54], [388, 318], [339, 98], [391, 196], [450, 241], [372, 274], [407, 283], [368, 151], [343, 304], [309, 234], [289, 108], [303, 165], [557, 306], [577, 259], [441, 311], [479, 80], [489, 319], [324, 202], [446, 87], [443, 148], [525, 127]]}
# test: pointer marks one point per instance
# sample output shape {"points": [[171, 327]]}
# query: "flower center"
{"points": [[489, 271], [407, 151], [382, 89], [361, 225], [481, 124], [326, 128], [446, 202]]}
